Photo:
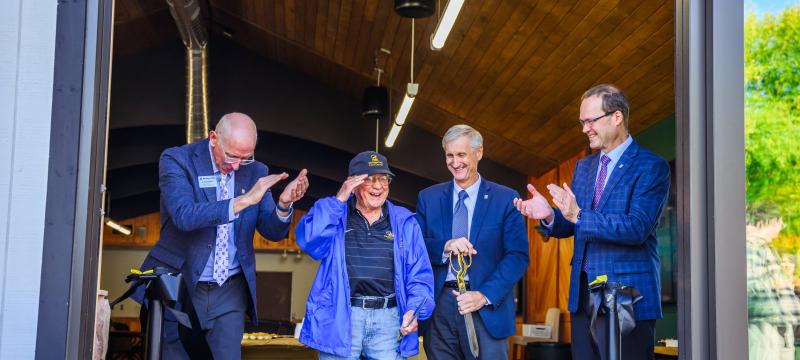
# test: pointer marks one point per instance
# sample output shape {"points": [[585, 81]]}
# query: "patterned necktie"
{"points": [[221, 249], [460, 223], [598, 194], [601, 180]]}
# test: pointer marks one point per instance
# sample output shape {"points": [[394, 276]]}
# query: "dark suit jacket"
{"points": [[497, 233], [619, 238], [190, 215]]}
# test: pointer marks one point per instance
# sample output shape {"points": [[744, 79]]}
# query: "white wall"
{"points": [[27, 48], [118, 262]]}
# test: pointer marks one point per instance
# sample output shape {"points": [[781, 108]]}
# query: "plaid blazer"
{"points": [[618, 239]]}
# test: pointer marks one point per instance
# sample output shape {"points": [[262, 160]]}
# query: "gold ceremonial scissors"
{"points": [[460, 267]]}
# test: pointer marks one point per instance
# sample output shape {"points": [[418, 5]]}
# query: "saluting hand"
{"points": [[349, 185]]}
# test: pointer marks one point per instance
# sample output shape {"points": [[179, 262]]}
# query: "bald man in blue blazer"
{"points": [[471, 215], [214, 196]]}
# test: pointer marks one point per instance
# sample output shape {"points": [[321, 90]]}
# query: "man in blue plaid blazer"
{"points": [[612, 210]]}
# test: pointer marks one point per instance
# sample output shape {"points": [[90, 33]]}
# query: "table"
{"points": [[663, 352], [278, 348]]}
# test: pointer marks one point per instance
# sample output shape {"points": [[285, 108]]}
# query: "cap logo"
{"points": [[373, 161]]}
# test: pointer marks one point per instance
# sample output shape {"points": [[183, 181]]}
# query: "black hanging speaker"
{"points": [[376, 102], [414, 8]]}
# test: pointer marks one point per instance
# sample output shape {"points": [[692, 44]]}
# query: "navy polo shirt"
{"points": [[369, 253]]}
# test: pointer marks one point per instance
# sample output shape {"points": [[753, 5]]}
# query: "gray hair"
{"points": [[457, 131], [613, 100]]}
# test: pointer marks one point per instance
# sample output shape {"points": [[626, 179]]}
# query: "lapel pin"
{"points": [[621, 165], [485, 197]]}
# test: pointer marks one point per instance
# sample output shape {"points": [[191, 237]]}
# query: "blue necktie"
{"points": [[460, 223]]}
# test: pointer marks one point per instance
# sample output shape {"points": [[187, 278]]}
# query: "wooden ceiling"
{"points": [[515, 70]]}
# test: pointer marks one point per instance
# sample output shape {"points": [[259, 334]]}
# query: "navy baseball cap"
{"points": [[369, 162]]}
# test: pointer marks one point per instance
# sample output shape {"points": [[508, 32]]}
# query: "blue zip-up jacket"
{"points": [[320, 233]]}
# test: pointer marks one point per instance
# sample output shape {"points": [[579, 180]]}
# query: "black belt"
{"points": [[374, 302], [214, 283], [452, 284]]}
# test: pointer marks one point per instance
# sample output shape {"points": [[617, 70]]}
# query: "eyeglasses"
{"points": [[591, 121], [382, 179], [230, 159]]}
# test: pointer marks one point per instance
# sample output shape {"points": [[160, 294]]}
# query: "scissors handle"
{"points": [[463, 264], [461, 271]]}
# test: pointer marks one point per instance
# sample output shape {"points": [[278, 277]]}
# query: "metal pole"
{"points": [[154, 327], [613, 328]]}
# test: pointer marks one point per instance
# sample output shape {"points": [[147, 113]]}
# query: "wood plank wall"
{"points": [[547, 280], [147, 228]]}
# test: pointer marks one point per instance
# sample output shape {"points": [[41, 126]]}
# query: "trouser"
{"points": [[374, 335], [217, 314], [446, 333]]}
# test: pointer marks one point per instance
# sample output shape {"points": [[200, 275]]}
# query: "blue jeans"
{"points": [[374, 334]]}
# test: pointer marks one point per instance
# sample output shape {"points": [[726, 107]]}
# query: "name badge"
{"points": [[207, 181]]}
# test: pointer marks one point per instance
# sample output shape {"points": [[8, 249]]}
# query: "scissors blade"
{"points": [[413, 317], [471, 335]]}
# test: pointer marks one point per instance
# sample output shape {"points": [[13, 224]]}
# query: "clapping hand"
{"points": [[294, 190], [536, 207], [565, 200]]}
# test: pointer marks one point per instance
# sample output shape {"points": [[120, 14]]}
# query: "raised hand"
{"points": [[257, 192], [349, 185], [565, 200], [294, 190], [536, 207]]}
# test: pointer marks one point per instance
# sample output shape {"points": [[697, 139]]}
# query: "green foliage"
{"points": [[772, 111], [772, 56]]}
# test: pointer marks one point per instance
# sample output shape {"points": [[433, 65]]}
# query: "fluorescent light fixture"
{"points": [[405, 107], [400, 119], [446, 24], [121, 228], [393, 135]]}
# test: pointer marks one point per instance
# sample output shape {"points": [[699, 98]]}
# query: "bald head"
{"points": [[237, 127], [234, 137]]}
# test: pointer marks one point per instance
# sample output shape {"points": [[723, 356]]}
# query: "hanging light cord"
{"points": [[412, 50]]}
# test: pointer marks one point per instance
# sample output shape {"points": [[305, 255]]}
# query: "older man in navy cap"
{"points": [[375, 278]]}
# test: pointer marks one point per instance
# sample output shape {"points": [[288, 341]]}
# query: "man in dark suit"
{"points": [[213, 197], [613, 212], [471, 215]]}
